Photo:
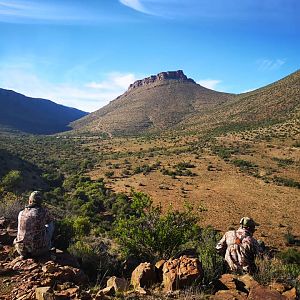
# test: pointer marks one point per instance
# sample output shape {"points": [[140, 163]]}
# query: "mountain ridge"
{"points": [[20, 113]]}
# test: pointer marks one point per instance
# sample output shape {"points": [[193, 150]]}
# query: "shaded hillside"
{"points": [[271, 104], [38, 116], [29, 177], [156, 102]]}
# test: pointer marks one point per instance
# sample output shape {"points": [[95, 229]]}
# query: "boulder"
{"points": [[229, 295], [119, 284], [44, 293], [291, 294], [277, 286], [228, 281], [143, 276], [248, 281], [264, 293], [181, 272]]}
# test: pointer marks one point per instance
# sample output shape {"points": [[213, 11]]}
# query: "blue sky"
{"points": [[86, 53]]}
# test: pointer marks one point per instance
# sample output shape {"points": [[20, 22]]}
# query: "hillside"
{"points": [[30, 115], [154, 103], [271, 104]]}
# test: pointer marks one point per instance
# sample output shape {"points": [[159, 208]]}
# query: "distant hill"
{"points": [[274, 103], [154, 103], [170, 100], [31, 115]]}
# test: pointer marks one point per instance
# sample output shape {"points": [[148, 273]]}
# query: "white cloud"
{"points": [[270, 64], [134, 4], [23, 79], [114, 81], [209, 83]]}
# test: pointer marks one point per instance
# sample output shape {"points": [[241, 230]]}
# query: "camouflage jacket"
{"points": [[240, 249], [31, 228]]}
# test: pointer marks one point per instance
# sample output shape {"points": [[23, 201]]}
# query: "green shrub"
{"points": [[96, 259], [290, 256], [212, 262], [11, 181], [148, 234], [270, 270], [286, 182], [243, 164]]}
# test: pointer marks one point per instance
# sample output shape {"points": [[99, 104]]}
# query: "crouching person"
{"points": [[35, 228], [240, 248]]}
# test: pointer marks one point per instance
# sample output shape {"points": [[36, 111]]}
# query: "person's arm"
{"points": [[222, 246]]}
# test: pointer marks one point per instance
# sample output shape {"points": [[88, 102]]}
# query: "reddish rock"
{"points": [[229, 295], [181, 272], [264, 293], [248, 281], [143, 276], [279, 287], [229, 281], [291, 294]]}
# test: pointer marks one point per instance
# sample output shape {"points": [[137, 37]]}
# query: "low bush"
{"points": [[148, 234]]}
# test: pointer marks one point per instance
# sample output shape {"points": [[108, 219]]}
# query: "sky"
{"points": [[86, 53]]}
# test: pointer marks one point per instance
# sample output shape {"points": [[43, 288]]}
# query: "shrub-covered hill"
{"points": [[274, 103], [38, 116]]}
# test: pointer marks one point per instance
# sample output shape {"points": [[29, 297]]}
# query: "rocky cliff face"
{"points": [[170, 75]]}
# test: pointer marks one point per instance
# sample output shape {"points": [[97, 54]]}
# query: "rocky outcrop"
{"points": [[143, 276], [181, 272], [170, 75], [233, 287]]}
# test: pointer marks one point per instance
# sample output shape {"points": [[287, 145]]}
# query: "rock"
{"points": [[119, 284], [229, 281], [50, 267], [181, 272], [229, 295], [264, 293], [143, 276], [248, 281], [159, 269], [109, 291], [291, 294], [279, 287], [44, 293], [71, 292]]}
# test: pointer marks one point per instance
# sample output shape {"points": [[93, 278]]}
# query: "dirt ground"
{"points": [[220, 192]]}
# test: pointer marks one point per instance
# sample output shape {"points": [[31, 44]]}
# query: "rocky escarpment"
{"points": [[170, 75]]}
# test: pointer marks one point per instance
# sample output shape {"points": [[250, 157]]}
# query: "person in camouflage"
{"points": [[240, 248], [35, 228]]}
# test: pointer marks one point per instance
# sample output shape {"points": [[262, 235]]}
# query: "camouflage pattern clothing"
{"points": [[32, 237], [240, 249]]}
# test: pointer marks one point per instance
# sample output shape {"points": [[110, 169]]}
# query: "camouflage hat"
{"points": [[36, 197], [248, 222]]}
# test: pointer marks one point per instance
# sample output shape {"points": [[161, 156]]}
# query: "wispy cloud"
{"points": [[114, 81], [209, 83], [270, 64], [91, 96], [134, 4]]}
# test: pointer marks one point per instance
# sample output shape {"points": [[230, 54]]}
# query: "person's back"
{"points": [[240, 248], [33, 237]]}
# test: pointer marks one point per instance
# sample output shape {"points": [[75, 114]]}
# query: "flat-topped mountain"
{"points": [[156, 102], [19, 113], [171, 75]]}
